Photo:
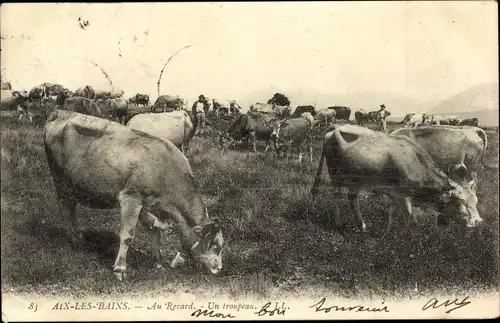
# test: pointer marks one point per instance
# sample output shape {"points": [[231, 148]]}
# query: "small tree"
{"points": [[279, 99]]}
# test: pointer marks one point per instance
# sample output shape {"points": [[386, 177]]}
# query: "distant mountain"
{"points": [[477, 98]]}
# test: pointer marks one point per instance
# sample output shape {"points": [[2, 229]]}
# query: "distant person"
{"points": [[382, 115], [200, 110]]}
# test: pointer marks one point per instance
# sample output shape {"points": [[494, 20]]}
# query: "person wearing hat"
{"points": [[382, 115], [200, 109]]}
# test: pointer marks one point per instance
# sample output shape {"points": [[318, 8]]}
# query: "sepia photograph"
{"points": [[174, 161]]}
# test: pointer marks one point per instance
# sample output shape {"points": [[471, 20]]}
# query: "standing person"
{"points": [[382, 115], [199, 109]]}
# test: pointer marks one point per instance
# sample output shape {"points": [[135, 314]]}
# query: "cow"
{"points": [[114, 109], [445, 120], [37, 93], [253, 126], [88, 92], [293, 132], [63, 95], [273, 109], [341, 113], [102, 95], [474, 122], [52, 89], [6, 86], [362, 118], [168, 103], [175, 126], [139, 99], [115, 94], [453, 149], [361, 159], [224, 107], [301, 109], [83, 106], [415, 120], [104, 165], [325, 115], [16, 100], [220, 107]]}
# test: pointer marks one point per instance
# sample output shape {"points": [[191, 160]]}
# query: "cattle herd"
{"points": [[105, 151]]}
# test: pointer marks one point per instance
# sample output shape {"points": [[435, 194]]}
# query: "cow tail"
{"points": [[317, 178], [484, 137]]}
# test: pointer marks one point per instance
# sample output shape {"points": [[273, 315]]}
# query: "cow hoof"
{"points": [[121, 276]]}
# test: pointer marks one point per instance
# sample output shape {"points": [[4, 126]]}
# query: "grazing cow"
{"points": [[293, 132], [15, 100], [103, 95], [116, 94], [6, 86], [104, 165], [326, 115], [415, 120], [114, 109], [254, 126], [82, 105], [175, 126], [453, 149], [140, 99], [52, 89], [474, 122], [362, 159], [341, 113], [168, 103], [301, 109]]}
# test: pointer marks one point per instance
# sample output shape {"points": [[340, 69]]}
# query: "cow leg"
{"points": [[392, 209], [310, 153], [354, 198], [130, 207], [67, 208], [253, 140], [155, 235], [411, 219], [268, 143], [299, 148]]}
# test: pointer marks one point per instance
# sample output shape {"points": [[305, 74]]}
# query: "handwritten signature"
{"points": [[434, 304], [356, 308], [211, 313], [279, 309]]}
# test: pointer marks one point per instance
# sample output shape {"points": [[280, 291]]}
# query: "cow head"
{"points": [[460, 202], [275, 126], [207, 251]]}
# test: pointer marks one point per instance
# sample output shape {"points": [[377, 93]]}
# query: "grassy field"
{"points": [[278, 241]]}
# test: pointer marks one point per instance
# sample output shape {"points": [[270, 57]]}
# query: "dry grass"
{"points": [[278, 242]]}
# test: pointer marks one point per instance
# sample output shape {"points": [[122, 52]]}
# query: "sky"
{"points": [[423, 50]]}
